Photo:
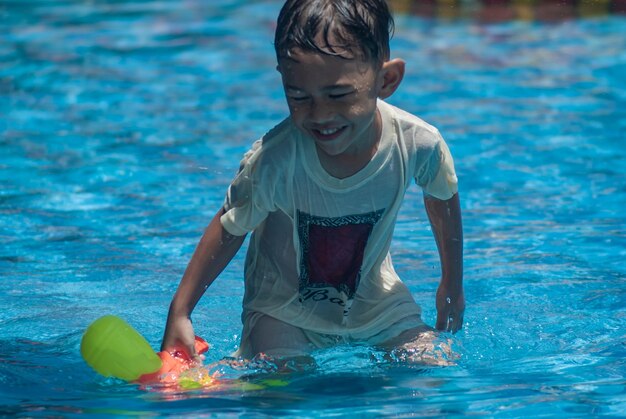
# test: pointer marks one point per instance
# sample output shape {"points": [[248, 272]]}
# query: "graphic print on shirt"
{"points": [[332, 250]]}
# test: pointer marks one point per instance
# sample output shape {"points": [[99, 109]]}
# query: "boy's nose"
{"points": [[320, 112]]}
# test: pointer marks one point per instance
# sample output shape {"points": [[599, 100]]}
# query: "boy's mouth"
{"points": [[327, 134]]}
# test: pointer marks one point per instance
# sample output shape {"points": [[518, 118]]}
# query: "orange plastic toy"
{"points": [[174, 363]]}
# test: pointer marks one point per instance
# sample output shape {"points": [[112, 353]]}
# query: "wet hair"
{"points": [[361, 28]]}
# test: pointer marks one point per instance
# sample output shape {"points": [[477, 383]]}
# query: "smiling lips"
{"points": [[327, 134]]}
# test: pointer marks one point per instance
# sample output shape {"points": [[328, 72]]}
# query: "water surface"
{"points": [[122, 123]]}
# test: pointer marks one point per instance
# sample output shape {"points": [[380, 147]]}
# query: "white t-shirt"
{"points": [[318, 257]]}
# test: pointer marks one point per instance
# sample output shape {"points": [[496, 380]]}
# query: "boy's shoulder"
{"points": [[283, 129], [276, 137], [412, 127], [273, 148]]}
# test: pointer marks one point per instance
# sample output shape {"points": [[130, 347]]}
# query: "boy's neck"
{"points": [[347, 164]]}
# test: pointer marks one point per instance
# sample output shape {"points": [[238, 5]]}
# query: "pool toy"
{"points": [[113, 348]]}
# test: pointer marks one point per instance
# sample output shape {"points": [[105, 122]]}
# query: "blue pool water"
{"points": [[121, 124]]}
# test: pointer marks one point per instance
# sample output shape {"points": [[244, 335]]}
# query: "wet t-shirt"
{"points": [[318, 256]]}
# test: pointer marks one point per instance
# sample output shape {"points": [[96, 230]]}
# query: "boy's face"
{"points": [[333, 100]]}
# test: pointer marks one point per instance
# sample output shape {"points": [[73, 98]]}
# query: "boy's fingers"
{"points": [[448, 321], [442, 321], [457, 324], [190, 350], [454, 326]]}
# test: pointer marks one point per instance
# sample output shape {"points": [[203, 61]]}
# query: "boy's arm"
{"points": [[214, 251], [445, 219]]}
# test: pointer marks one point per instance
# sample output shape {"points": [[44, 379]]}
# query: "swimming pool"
{"points": [[121, 124]]}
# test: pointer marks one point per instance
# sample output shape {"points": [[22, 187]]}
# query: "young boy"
{"points": [[321, 192]]}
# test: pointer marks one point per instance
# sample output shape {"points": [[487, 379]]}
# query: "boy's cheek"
{"points": [[294, 111]]}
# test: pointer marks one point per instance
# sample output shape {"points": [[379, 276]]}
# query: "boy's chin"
{"points": [[329, 149]]}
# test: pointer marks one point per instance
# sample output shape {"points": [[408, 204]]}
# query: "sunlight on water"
{"points": [[123, 123]]}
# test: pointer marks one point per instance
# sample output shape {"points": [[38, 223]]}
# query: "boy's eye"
{"points": [[339, 95], [298, 98]]}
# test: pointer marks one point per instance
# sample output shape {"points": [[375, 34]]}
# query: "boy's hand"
{"points": [[179, 335], [450, 309]]}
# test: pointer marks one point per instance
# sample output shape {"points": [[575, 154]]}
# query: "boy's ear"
{"points": [[391, 75]]}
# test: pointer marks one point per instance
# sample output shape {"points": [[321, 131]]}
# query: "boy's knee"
{"points": [[276, 338], [421, 345], [422, 332]]}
